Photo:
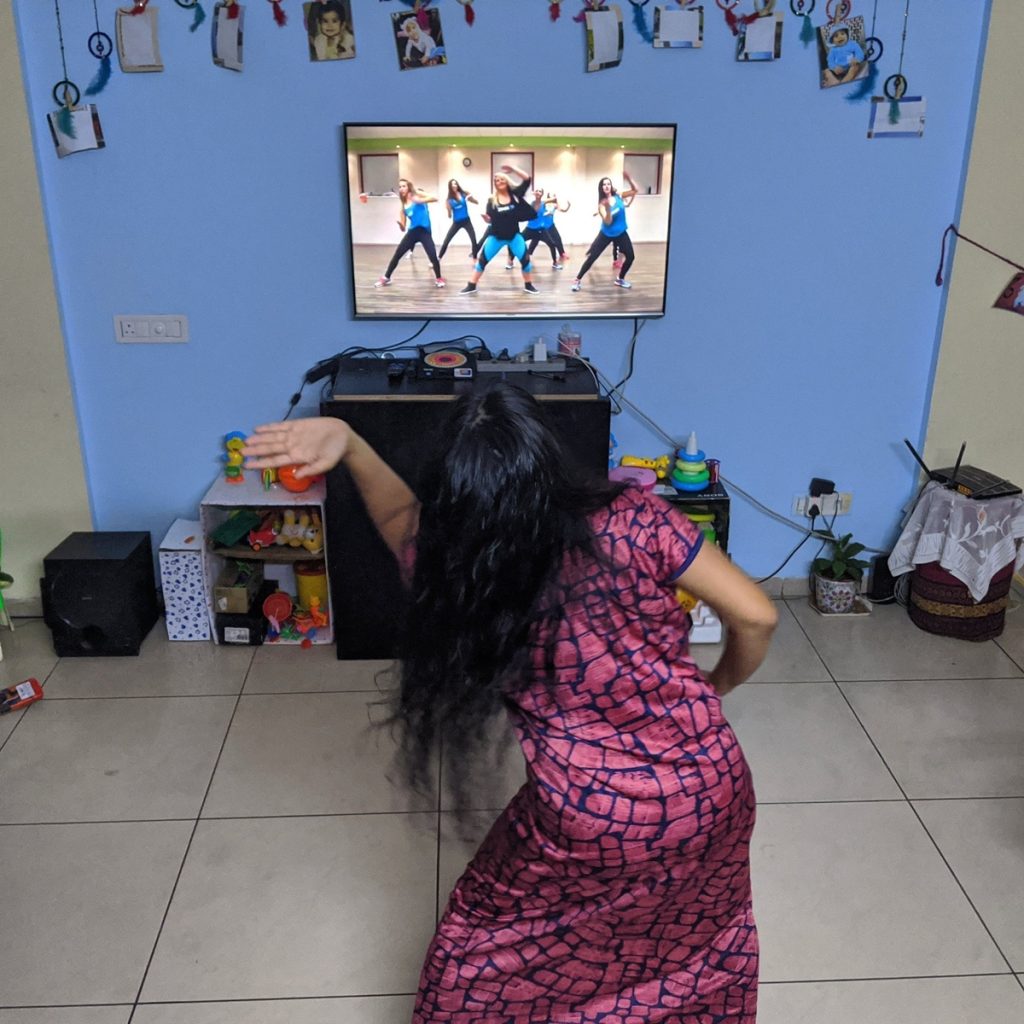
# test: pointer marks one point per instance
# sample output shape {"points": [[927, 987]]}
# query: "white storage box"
{"points": [[181, 577]]}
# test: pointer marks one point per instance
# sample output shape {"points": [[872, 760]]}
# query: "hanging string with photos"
{"points": [[640, 20], [65, 93], [100, 46], [735, 21], [198, 14], [873, 50], [803, 9], [895, 87]]}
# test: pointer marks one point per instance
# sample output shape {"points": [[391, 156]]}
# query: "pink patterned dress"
{"points": [[615, 887]]}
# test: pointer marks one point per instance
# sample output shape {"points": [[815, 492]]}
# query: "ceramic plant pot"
{"points": [[834, 597]]}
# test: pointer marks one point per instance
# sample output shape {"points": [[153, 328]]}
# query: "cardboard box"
{"points": [[237, 587], [248, 629], [181, 578]]}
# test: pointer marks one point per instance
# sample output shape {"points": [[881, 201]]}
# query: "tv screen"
{"points": [[491, 221]]}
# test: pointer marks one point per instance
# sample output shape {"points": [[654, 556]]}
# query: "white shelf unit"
{"points": [[222, 499]]}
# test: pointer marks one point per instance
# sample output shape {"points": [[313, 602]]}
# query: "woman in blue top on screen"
{"points": [[415, 222], [612, 209], [551, 207], [536, 230], [457, 205], [506, 208]]}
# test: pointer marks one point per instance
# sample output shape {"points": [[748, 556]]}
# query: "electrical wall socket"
{"points": [[838, 504], [170, 328]]}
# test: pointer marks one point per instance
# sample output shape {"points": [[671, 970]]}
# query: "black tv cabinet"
{"points": [[402, 417]]}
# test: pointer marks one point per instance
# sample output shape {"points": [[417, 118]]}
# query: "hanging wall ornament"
{"points": [[100, 46], [735, 21], [803, 9], [419, 8], [468, 12], [873, 50], [279, 16], [198, 14], [554, 9], [680, 26], [640, 21], [65, 93], [895, 87], [588, 6], [841, 46]]}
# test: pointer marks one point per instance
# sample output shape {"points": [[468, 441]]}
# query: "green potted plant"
{"points": [[837, 575]]}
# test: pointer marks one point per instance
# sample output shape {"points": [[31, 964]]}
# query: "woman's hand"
{"points": [[315, 445]]}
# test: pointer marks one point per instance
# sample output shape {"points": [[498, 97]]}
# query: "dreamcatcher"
{"points": [[100, 46], [198, 14]]}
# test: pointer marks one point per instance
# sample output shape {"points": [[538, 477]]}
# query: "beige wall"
{"points": [[979, 385], [42, 479]]}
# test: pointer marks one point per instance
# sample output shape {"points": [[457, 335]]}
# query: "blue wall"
{"points": [[802, 314]]}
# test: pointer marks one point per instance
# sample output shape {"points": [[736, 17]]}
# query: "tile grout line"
{"points": [[920, 820], [188, 847]]}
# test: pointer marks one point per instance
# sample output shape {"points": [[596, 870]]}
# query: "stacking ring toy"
{"points": [[637, 476], [691, 467], [691, 478], [699, 457], [680, 486]]}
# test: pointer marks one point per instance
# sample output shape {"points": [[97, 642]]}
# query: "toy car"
{"points": [[266, 533]]}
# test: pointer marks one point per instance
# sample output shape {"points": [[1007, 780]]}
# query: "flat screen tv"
{"points": [[596, 201]]}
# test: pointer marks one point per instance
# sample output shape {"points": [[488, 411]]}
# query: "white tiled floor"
{"points": [[208, 836]]}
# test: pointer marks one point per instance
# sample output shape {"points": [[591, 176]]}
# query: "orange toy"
{"points": [[286, 477]]}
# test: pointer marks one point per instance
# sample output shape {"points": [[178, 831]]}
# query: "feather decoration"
{"points": [[233, 10], [198, 18], [100, 80], [807, 31], [588, 6], [743, 20], [894, 111], [470, 13], [279, 16], [65, 122], [641, 22], [554, 9], [866, 86]]}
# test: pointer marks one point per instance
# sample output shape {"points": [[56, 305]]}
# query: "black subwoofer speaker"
{"points": [[99, 593]]}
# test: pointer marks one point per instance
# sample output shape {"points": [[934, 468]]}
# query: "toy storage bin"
{"points": [[181, 579]]}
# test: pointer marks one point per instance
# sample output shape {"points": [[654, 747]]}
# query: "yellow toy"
{"points": [[234, 443], [660, 465], [686, 600], [313, 535], [293, 528]]}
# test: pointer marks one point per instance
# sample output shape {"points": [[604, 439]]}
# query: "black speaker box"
{"points": [[99, 593]]}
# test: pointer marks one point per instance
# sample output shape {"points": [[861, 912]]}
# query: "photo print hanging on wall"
{"points": [[329, 30], [228, 34], [603, 26], [895, 115], [419, 39], [680, 26], [73, 128], [138, 40], [761, 39], [841, 52]]}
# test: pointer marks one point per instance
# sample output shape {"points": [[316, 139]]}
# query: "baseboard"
{"points": [[24, 607]]}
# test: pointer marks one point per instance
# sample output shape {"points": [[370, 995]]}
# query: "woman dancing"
{"points": [[505, 209], [612, 208], [457, 205], [415, 222], [536, 230], [616, 884]]}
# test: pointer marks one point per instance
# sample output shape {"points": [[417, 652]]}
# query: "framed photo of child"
{"points": [[329, 30], [419, 46], [841, 52]]}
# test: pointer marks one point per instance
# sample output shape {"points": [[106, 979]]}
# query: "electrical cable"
{"points": [[807, 536], [638, 326]]}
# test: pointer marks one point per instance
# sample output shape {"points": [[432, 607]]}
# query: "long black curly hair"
{"points": [[502, 509]]}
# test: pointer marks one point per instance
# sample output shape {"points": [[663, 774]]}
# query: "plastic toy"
{"points": [[266, 533], [635, 476], [313, 536], [235, 527], [293, 528], [276, 610], [19, 696], [268, 478], [660, 465], [286, 478], [234, 443], [691, 471]]}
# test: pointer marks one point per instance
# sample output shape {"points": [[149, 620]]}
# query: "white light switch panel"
{"points": [[169, 328]]}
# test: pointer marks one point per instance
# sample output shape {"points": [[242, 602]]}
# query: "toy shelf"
{"points": [[222, 499]]}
